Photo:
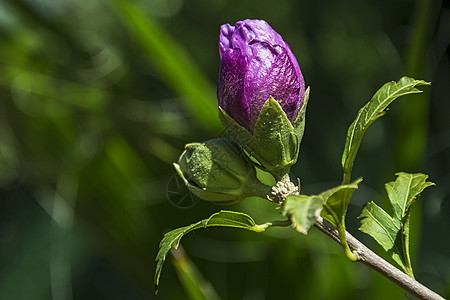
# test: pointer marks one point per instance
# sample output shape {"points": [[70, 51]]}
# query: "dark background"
{"points": [[98, 98]]}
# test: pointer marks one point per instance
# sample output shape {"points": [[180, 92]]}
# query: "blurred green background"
{"points": [[98, 98]]}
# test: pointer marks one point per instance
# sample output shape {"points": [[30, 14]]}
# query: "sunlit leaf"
{"points": [[304, 210], [221, 219], [335, 208], [374, 109], [392, 232]]}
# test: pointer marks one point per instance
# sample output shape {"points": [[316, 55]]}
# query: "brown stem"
{"points": [[369, 258]]}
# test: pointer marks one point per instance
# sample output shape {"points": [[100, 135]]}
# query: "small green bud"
{"points": [[216, 171]]}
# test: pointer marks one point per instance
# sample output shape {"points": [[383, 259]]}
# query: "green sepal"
{"points": [[217, 196], [299, 123], [275, 142]]}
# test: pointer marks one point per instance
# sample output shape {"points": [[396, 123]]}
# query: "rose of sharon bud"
{"points": [[262, 96], [215, 171], [255, 64]]}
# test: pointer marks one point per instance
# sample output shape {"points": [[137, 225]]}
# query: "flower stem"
{"points": [[358, 252], [282, 174], [254, 187], [369, 258]]}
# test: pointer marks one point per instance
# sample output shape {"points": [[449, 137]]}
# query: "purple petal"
{"points": [[257, 64], [272, 73], [226, 32], [230, 90]]}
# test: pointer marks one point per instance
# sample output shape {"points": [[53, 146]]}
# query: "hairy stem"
{"points": [[282, 175], [369, 258]]}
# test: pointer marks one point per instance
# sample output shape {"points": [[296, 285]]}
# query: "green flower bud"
{"points": [[216, 171]]}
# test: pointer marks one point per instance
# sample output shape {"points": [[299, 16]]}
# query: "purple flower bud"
{"points": [[255, 64]]}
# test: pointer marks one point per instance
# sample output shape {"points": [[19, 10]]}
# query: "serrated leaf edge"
{"points": [[161, 255]]}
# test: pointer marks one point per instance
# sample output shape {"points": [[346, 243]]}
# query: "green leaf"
{"points": [[221, 219], [392, 232], [335, 208], [304, 210], [374, 109]]}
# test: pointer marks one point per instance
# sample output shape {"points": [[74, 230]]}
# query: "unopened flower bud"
{"points": [[216, 171], [256, 63], [261, 94]]}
